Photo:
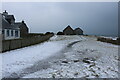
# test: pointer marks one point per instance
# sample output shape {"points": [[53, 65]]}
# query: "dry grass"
{"points": [[117, 42]]}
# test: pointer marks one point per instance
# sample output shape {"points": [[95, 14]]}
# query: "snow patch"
{"points": [[0, 66], [88, 58], [16, 60]]}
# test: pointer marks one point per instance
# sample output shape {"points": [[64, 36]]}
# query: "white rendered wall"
{"points": [[10, 36]]}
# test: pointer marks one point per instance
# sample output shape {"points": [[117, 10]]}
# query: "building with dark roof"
{"points": [[68, 31], [23, 28], [10, 29], [78, 31], [9, 18]]}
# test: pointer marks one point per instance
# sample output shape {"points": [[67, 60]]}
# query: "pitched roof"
{"points": [[10, 17], [5, 24], [18, 24], [68, 27], [78, 29]]}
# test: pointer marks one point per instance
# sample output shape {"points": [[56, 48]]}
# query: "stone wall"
{"points": [[0, 43], [117, 42], [8, 45]]}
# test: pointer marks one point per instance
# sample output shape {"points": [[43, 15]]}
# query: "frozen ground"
{"points": [[63, 57], [113, 38]]}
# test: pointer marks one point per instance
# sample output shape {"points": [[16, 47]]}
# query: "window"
{"points": [[3, 32], [16, 33], [11, 32], [8, 33]]}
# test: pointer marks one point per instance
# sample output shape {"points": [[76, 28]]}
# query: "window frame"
{"points": [[16, 33], [12, 33], [8, 33]]}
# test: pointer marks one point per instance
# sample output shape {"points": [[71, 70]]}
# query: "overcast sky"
{"points": [[98, 18]]}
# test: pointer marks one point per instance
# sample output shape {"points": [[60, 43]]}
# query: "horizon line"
{"points": [[60, 0]]}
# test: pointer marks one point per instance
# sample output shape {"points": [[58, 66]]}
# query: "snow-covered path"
{"points": [[14, 62], [63, 57]]}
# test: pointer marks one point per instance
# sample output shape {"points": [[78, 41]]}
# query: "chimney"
{"points": [[5, 13], [23, 21]]}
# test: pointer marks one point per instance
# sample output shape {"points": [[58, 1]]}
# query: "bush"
{"points": [[33, 35], [101, 39], [118, 41], [49, 33], [118, 38], [60, 33], [85, 34]]}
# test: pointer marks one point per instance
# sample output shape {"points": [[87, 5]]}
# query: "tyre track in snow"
{"points": [[43, 64]]}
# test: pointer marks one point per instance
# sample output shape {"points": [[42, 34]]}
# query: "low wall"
{"points": [[0, 43], [117, 42], [8, 45]]}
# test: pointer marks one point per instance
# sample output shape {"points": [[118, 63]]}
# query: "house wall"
{"points": [[78, 32], [0, 31], [23, 30], [12, 21], [1, 36], [6, 37], [68, 32], [1, 43], [8, 45]]}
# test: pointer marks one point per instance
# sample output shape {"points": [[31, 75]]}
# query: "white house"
{"points": [[9, 30]]}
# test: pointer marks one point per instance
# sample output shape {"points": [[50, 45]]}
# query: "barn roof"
{"points": [[78, 29], [68, 27]]}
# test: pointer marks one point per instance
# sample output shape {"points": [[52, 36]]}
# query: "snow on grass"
{"points": [[21, 58], [100, 61], [87, 58], [0, 66], [105, 55], [113, 38], [16, 60]]}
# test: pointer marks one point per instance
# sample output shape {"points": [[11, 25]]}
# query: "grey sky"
{"points": [[93, 17]]}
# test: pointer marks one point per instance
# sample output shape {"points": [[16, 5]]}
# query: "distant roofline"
{"points": [[68, 26]]}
